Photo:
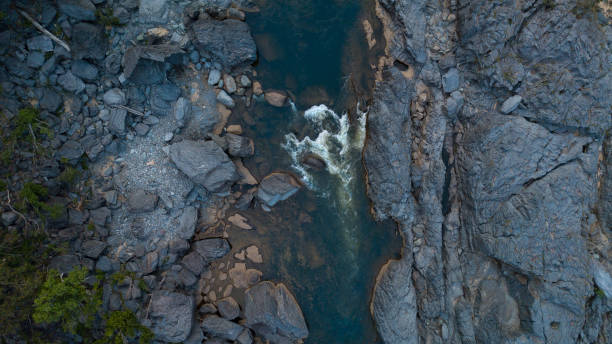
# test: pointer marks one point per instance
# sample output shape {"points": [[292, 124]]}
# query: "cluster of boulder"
{"points": [[489, 144], [116, 92]]}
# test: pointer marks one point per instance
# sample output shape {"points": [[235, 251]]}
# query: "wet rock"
{"points": [[276, 98], [273, 313], [215, 326], [88, 41], [511, 104], [228, 308], [141, 201], [172, 316], [277, 187], [228, 42], [114, 96], [93, 248], [239, 146], [314, 161], [205, 163], [84, 70], [212, 249], [78, 9]]}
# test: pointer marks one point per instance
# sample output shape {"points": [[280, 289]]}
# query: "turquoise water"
{"points": [[322, 243]]}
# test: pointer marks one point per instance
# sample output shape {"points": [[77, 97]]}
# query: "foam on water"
{"points": [[339, 144]]}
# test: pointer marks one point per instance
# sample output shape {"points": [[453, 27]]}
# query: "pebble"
{"points": [[168, 137], [213, 77]]}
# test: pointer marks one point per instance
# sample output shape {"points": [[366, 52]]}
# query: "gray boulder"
{"points": [[216, 326], [273, 313], [65, 263], [511, 104], [40, 43], [117, 121], [50, 100], [212, 249], [225, 99], [71, 150], [277, 187], [172, 316], [71, 83], [78, 9], [205, 163], [93, 248], [228, 42]]}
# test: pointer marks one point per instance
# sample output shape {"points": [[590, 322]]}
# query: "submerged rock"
{"points": [[205, 163], [276, 98], [273, 313], [228, 42], [277, 187]]}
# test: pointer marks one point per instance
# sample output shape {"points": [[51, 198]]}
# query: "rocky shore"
{"points": [[489, 145], [137, 111]]}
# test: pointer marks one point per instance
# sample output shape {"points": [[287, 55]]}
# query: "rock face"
{"points": [[172, 315], [228, 42], [205, 163], [277, 187], [273, 313], [496, 173]]}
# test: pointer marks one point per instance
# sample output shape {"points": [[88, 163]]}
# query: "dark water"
{"points": [[322, 243]]}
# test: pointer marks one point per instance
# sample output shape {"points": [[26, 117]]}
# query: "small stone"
{"points": [[450, 80], [71, 83], [229, 84], [9, 218], [225, 99], [511, 104], [168, 137], [71, 150], [222, 328], [78, 9], [235, 129], [116, 123], [239, 146], [245, 81], [40, 43], [213, 77], [257, 89], [104, 264], [35, 59], [141, 129], [93, 248], [114, 96], [84, 70]]}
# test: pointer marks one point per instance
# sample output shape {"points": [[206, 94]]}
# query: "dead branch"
{"points": [[43, 30]]}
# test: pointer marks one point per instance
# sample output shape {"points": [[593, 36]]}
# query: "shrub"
{"points": [[121, 325], [33, 194], [27, 130], [67, 301]]}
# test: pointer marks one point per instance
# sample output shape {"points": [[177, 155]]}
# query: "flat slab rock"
{"points": [[277, 187], [273, 313], [205, 163], [228, 42]]}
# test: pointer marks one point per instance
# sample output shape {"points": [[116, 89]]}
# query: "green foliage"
{"points": [[91, 226], [69, 176], [106, 17], [3, 185], [2, 15], [67, 301], [27, 129], [121, 325], [600, 293], [33, 195], [21, 259], [549, 4]]}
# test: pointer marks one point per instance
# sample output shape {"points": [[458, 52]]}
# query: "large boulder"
{"points": [[205, 163], [277, 187], [228, 42], [273, 313], [172, 316], [78, 9]]}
